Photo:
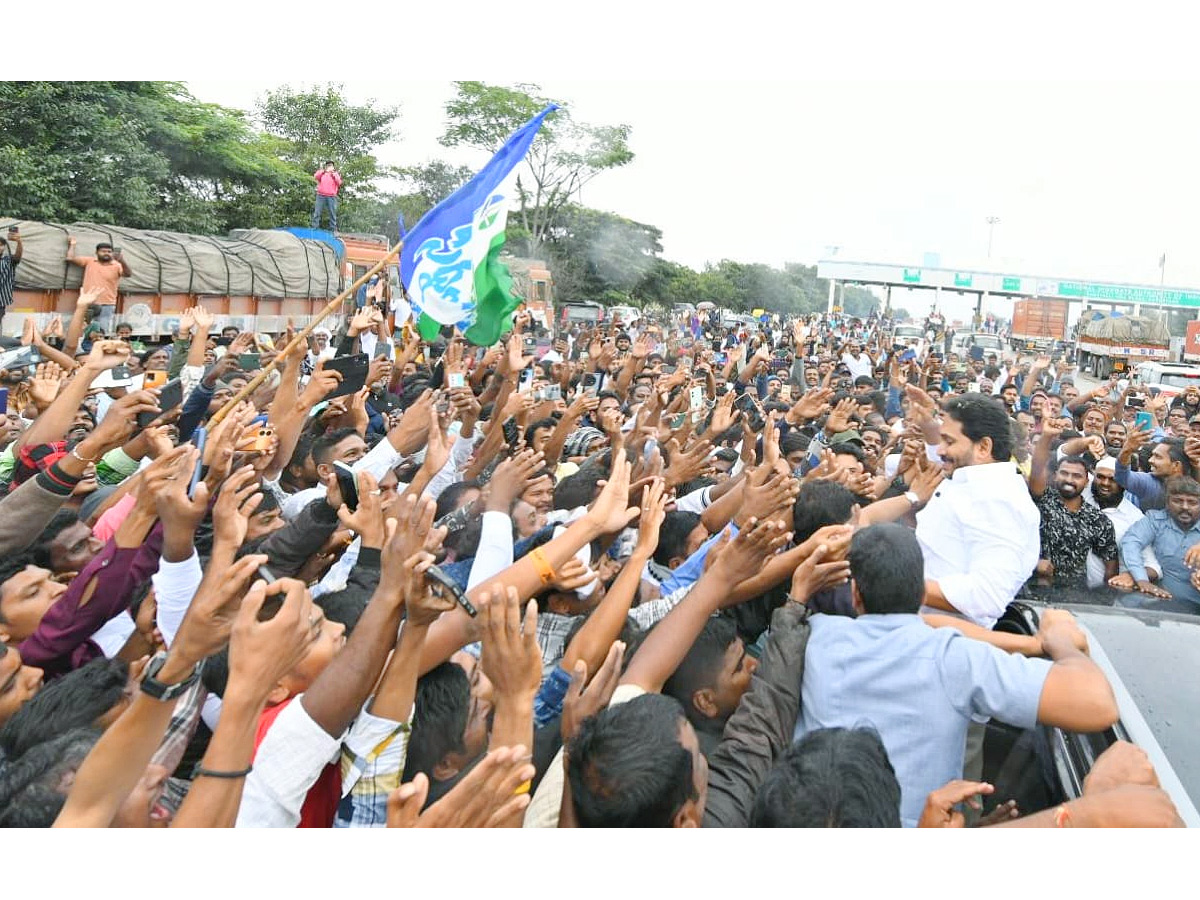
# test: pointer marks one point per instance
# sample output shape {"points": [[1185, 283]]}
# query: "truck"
{"points": [[1191, 343], [1112, 342], [1037, 324], [253, 279]]}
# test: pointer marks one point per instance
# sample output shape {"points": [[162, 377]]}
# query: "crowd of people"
{"points": [[653, 573]]}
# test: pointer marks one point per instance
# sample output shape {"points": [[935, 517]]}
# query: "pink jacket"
{"points": [[327, 182]]}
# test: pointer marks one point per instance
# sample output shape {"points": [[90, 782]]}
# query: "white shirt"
{"points": [[379, 460], [1122, 516], [980, 539], [859, 365]]}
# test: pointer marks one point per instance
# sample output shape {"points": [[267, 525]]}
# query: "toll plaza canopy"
{"points": [[250, 262], [1000, 283]]}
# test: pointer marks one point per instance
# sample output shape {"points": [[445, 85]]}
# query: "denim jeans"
{"points": [[329, 203]]}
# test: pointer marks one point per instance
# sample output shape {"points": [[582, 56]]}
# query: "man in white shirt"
{"points": [[979, 534], [857, 361], [1105, 493]]}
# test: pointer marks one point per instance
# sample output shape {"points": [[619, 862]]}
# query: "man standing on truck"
{"points": [[101, 273], [328, 180], [9, 257]]}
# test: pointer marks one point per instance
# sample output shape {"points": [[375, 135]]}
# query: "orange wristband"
{"points": [[1062, 817], [544, 569]]}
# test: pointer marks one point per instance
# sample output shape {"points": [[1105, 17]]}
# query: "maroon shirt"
{"points": [[62, 642]]}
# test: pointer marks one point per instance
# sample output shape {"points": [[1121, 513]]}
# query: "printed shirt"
{"points": [[1067, 537]]}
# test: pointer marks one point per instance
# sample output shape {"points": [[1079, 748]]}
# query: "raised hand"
{"points": [[422, 605], [744, 556], [509, 480], [812, 405], [120, 422], [580, 704], [511, 659], [262, 652], [106, 355], [818, 572], [236, 503], [485, 798], [839, 418], [687, 465], [653, 512], [572, 576], [47, 381], [610, 511], [209, 620]]}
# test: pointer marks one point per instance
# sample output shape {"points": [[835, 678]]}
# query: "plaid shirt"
{"points": [[553, 629], [373, 757], [182, 727]]}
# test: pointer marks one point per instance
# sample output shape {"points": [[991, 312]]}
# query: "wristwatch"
{"points": [[166, 692], [912, 498]]}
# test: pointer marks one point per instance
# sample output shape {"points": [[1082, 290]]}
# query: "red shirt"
{"points": [[320, 806]]}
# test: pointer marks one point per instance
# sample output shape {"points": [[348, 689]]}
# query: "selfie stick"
{"points": [[337, 301]]}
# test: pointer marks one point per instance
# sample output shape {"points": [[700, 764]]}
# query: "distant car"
{"points": [[991, 343], [683, 308], [581, 311], [1167, 379], [1151, 662], [910, 335]]}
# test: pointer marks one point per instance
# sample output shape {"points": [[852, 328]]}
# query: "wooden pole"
{"points": [[333, 304]]}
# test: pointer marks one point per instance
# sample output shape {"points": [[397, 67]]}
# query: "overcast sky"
{"points": [[1088, 181]]}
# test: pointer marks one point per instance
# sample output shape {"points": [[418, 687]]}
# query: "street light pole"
{"points": [[992, 221]]}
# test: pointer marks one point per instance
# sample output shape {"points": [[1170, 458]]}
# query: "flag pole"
{"points": [[333, 304]]}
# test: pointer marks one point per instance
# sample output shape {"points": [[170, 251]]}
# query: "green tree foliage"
{"points": [[318, 125], [564, 157], [139, 154]]}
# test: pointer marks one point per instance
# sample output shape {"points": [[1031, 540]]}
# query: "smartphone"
{"points": [[169, 397], [3, 400], [456, 380], [676, 421], [249, 362], [550, 392], [199, 439], [264, 438], [120, 373], [348, 484], [908, 355], [354, 374], [1135, 402], [1144, 421], [696, 397], [583, 356], [443, 584], [720, 358], [973, 387], [745, 403], [153, 379], [528, 344], [591, 384], [785, 393], [526, 380]]}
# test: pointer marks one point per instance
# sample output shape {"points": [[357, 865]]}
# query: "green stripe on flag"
{"points": [[494, 297]]}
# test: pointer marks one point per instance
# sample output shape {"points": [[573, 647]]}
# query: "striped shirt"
{"points": [[8, 278]]}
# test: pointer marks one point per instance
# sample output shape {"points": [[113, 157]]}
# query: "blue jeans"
{"points": [[330, 204]]}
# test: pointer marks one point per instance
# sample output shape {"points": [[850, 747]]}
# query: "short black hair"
{"points": [[982, 417], [818, 504], [702, 665], [792, 441], [888, 569], [11, 566], [848, 448], [673, 535], [322, 447], [1074, 460], [533, 427], [62, 520], [452, 497], [1182, 484], [31, 794], [440, 710], [329, 162], [830, 778], [1175, 451], [104, 245], [627, 767], [76, 700]]}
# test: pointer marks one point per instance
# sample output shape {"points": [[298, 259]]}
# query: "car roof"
{"points": [[1152, 663]]}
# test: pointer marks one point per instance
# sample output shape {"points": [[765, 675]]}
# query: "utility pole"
{"points": [[992, 221]]}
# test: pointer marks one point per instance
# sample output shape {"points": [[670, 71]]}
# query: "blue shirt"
{"points": [[689, 572], [1148, 491], [918, 687], [1170, 542]]}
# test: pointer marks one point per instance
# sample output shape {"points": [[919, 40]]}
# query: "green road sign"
{"points": [[962, 280], [1121, 293], [912, 276], [1011, 284]]}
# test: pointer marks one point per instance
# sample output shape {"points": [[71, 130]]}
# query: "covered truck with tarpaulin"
{"points": [[1112, 342], [255, 279]]}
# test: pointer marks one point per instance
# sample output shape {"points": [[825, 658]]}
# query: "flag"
{"points": [[450, 261]]}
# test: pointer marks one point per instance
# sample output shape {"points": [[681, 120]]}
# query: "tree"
{"points": [[139, 154], [595, 253], [318, 125], [564, 157]]}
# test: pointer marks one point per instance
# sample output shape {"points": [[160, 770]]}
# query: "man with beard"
{"points": [[1114, 437], [1069, 527], [1172, 532], [1189, 401], [979, 533], [1109, 497]]}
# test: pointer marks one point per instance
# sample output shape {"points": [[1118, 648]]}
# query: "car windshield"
{"points": [[1180, 379], [1155, 658], [907, 331]]}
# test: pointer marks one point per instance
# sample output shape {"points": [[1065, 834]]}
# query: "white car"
{"points": [[627, 314]]}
